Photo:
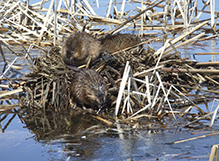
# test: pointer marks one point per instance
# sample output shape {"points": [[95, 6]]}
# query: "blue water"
{"points": [[17, 143]]}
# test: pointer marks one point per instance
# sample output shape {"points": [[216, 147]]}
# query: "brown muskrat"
{"points": [[79, 48], [88, 89], [118, 42]]}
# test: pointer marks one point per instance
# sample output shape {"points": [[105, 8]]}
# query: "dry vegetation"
{"points": [[143, 83]]}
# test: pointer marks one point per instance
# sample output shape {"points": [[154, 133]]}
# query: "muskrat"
{"points": [[88, 89], [118, 42], [79, 48]]}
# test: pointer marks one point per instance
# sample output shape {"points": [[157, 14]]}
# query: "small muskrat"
{"points": [[79, 48], [88, 89], [118, 42]]}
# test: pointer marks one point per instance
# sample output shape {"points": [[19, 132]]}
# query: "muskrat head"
{"points": [[88, 89], [76, 58], [96, 95], [79, 48]]}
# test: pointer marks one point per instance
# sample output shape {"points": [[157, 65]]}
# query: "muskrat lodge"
{"points": [[86, 70]]}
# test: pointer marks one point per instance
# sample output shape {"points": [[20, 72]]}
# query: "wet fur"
{"points": [[118, 42], [88, 89]]}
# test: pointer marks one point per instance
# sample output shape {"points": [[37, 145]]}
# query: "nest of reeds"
{"points": [[48, 85], [49, 81]]}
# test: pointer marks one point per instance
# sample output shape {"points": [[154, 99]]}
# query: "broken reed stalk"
{"points": [[198, 119], [181, 37], [6, 93], [166, 96], [212, 8], [55, 23], [214, 153], [180, 70], [109, 8], [188, 99], [207, 63], [194, 138], [212, 80], [214, 116], [142, 19], [127, 21], [45, 22], [122, 87], [9, 67], [213, 53], [191, 87], [214, 112], [122, 9], [6, 108], [145, 72], [142, 109], [185, 42]]}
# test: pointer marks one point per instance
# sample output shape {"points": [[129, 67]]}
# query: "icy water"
{"points": [[21, 141]]}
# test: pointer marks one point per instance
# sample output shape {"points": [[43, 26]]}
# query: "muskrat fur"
{"points": [[118, 42], [88, 89], [79, 47]]}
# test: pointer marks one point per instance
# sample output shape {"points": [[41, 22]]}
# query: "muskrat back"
{"points": [[118, 42]]}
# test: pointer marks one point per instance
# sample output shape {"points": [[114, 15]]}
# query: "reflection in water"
{"points": [[4, 117], [66, 128], [74, 134]]}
